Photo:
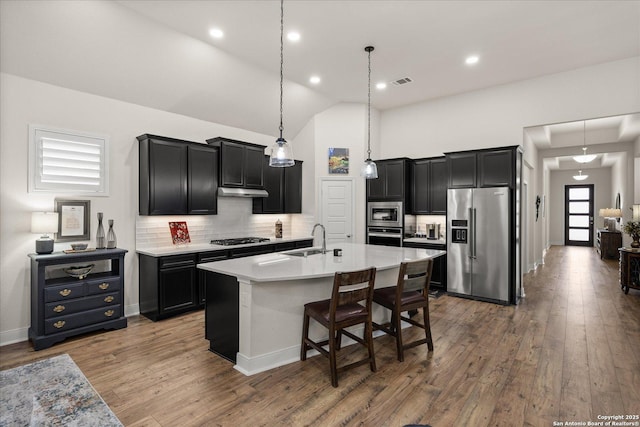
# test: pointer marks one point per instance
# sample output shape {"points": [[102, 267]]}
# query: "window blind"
{"points": [[67, 162]]}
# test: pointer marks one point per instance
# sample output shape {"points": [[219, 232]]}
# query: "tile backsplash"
{"points": [[234, 219]]}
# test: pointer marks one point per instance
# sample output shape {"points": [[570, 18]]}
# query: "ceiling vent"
{"points": [[402, 81]]}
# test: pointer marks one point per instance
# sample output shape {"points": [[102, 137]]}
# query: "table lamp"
{"points": [[45, 223], [610, 214]]}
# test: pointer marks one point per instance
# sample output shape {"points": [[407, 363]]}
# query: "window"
{"points": [[64, 161]]}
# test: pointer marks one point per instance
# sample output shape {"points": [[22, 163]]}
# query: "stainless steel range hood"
{"points": [[241, 192]]}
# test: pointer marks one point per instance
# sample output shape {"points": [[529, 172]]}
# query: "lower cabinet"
{"points": [[171, 285], [439, 272]]}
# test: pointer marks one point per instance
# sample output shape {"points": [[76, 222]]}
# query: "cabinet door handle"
{"points": [[59, 324], [109, 313], [109, 299], [103, 286], [65, 292], [59, 308]]}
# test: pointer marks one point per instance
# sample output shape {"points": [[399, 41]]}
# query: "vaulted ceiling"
{"points": [[158, 53]]}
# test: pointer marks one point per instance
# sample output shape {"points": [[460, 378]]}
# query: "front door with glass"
{"points": [[578, 215]]}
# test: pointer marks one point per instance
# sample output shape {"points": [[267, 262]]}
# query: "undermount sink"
{"points": [[305, 252]]}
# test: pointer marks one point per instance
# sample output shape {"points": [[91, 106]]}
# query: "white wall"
{"points": [[26, 101], [601, 180]]}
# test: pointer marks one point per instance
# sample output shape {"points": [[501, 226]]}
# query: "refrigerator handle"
{"points": [[472, 234]]}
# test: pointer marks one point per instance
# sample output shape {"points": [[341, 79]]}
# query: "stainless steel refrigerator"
{"points": [[478, 238]]}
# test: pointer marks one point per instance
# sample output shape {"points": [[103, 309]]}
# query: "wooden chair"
{"points": [[339, 312], [410, 293]]}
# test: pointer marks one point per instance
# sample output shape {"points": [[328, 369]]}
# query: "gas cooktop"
{"points": [[239, 241]]}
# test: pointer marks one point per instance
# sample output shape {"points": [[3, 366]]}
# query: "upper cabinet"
{"points": [[429, 186], [176, 177], [482, 168], [393, 182], [284, 186], [241, 163]]}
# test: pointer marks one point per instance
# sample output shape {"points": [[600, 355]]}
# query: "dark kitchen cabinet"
{"points": [[429, 186], [202, 185], [176, 177], [284, 186], [482, 168], [170, 285], [167, 285], [393, 182], [462, 170], [241, 163], [495, 168]]}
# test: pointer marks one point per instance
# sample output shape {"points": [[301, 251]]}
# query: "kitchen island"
{"points": [[254, 305]]}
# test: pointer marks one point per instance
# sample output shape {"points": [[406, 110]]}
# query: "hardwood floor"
{"points": [[569, 352]]}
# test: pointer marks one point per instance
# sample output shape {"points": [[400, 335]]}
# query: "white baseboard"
{"points": [[13, 336], [22, 334]]}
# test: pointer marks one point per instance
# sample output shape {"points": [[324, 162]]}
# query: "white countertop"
{"points": [[205, 247], [425, 240], [283, 266]]}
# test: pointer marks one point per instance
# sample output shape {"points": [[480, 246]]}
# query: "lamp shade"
{"points": [[44, 222], [611, 213], [635, 216]]}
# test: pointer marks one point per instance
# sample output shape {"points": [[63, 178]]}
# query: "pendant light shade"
{"points": [[584, 158], [369, 169], [281, 152], [580, 177]]}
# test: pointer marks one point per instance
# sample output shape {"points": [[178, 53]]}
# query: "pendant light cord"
{"points": [[369, 49], [281, 58]]}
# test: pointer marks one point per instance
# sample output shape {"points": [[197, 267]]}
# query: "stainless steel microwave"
{"points": [[384, 214]]}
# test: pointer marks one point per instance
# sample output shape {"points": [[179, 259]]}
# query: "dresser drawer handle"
{"points": [[109, 299], [103, 286], [59, 308], [109, 313], [65, 292], [59, 324]]}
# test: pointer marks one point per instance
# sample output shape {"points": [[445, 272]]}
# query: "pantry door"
{"points": [[336, 209]]}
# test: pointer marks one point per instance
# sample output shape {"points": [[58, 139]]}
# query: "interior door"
{"points": [[337, 209], [578, 215]]}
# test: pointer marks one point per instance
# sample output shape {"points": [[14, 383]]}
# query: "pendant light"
{"points": [[369, 169], [580, 177], [584, 158], [281, 152]]}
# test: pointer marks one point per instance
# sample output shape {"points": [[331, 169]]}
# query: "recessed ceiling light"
{"points": [[314, 80], [216, 33], [471, 60], [293, 36], [381, 85]]}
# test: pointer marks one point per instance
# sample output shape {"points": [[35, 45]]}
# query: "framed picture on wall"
{"points": [[73, 220], [339, 161]]}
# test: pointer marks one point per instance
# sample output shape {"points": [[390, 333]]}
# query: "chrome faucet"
{"points": [[324, 237]]}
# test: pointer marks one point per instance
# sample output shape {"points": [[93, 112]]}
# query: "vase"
{"points": [[100, 242], [636, 241], [111, 236]]}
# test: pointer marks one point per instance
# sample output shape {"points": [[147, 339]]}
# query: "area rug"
{"points": [[51, 392]]}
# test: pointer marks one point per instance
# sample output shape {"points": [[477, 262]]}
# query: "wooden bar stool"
{"points": [[410, 293], [341, 311]]}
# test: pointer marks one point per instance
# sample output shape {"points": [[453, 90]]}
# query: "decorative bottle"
{"points": [[100, 241], [111, 236], [278, 229]]}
